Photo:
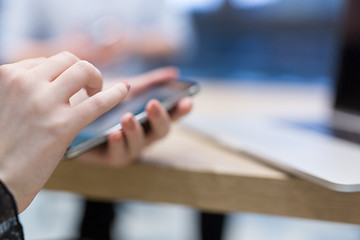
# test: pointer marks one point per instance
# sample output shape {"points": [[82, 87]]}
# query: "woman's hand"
{"points": [[125, 145], [37, 121]]}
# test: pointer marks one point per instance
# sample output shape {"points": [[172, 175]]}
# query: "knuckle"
{"points": [[98, 104], [90, 76], [38, 105], [89, 72], [86, 67], [53, 120], [57, 125], [16, 82], [123, 91], [40, 59], [69, 56], [4, 69], [6, 72], [60, 123]]}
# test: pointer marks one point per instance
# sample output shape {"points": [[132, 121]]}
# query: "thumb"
{"points": [[157, 76]]}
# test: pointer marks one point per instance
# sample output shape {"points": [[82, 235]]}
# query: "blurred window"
{"points": [[281, 40]]}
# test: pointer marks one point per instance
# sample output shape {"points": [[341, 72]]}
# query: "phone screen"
{"points": [[96, 132]]}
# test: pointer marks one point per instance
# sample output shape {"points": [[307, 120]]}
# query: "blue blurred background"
{"points": [[267, 40], [274, 40]]}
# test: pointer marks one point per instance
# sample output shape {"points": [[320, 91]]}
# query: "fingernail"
{"points": [[127, 84], [154, 111], [98, 71], [130, 123]]}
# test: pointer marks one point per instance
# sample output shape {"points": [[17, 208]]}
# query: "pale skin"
{"points": [[124, 146], [38, 122]]}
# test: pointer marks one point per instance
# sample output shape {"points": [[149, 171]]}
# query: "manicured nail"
{"points": [[127, 84]]}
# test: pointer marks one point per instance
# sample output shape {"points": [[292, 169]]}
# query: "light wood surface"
{"points": [[186, 168]]}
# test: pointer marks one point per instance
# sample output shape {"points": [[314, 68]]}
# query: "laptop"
{"points": [[324, 152]]}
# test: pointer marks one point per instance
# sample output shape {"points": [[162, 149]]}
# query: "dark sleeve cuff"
{"points": [[10, 227]]}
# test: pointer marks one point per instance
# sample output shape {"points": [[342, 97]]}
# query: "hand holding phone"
{"points": [[96, 133]]}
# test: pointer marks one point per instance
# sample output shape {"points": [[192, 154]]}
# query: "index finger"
{"points": [[96, 105], [80, 75]]}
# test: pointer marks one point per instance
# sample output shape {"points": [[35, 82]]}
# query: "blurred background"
{"points": [[271, 40], [280, 41]]}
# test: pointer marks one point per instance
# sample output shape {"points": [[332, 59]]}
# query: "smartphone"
{"points": [[96, 132]]}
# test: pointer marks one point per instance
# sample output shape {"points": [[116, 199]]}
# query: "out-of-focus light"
{"points": [[196, 5], [253, 3]]}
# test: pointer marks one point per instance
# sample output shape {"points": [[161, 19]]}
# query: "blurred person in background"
{"points": [[120, 37], [133, 33]]}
